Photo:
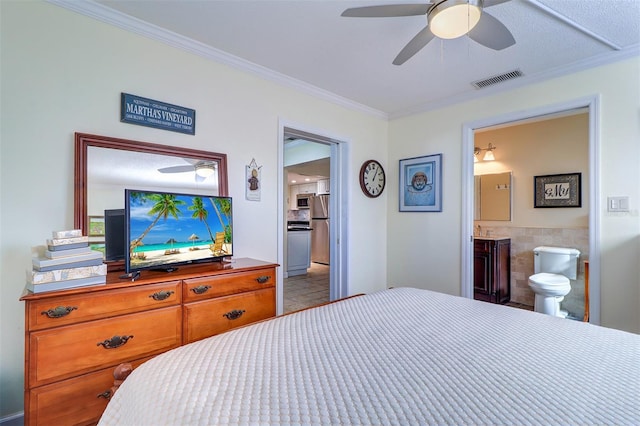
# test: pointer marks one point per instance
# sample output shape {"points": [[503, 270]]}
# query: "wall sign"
{"points": [[254, 181], [148, 112], [558, 190]]}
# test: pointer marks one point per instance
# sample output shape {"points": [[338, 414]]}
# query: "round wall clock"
{"points": [[372, 178]]}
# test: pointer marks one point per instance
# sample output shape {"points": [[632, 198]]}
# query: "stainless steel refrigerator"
{"points": [[320, 229]]}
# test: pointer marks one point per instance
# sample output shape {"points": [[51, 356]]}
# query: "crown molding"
{"points": [[118, 19]]}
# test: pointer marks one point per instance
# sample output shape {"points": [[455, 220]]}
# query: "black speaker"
{"points": [[114, 235]]}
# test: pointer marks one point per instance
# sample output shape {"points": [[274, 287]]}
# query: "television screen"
{"points": [[164, 229]]}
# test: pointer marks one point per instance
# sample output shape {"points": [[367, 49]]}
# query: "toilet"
{"points": [[554, 267]]}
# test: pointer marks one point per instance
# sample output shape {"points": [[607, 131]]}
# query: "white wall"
{"points": [[424, 248], [63, 73]]}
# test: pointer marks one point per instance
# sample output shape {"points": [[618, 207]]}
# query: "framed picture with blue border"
{"points": [[421, 184]]}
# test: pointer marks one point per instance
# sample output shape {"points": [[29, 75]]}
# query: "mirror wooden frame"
{"points": [[84, 140]]}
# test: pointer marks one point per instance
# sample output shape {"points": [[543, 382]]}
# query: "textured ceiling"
{"points": [[309, 45]]}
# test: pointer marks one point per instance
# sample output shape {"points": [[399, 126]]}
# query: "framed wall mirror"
{"points": [[105, 166], [492, 196]]}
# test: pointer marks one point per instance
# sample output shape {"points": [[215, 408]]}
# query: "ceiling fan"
{"points": [[202, 168], [445, 19]]}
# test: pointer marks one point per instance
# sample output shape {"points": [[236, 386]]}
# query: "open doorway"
{"points": [[307, 171], [470, 130], [313, 239]]}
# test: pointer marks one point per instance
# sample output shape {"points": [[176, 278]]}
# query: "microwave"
{"points": [[303, 201]]}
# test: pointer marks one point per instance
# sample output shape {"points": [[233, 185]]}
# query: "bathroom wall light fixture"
{"points": [[488, 156]]}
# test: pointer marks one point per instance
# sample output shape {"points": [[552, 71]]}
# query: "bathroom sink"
{"points": [[491, 237]]}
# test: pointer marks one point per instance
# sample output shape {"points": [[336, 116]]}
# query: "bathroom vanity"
{"points": [[492, 269]]}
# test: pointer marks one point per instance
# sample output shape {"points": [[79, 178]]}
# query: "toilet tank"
{"points": [[556, 260]]}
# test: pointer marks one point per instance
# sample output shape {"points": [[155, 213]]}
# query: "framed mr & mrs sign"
{"points": [[564, 190]]}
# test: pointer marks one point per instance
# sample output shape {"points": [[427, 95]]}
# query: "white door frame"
{"points": [[593, 105], [338, 210]]}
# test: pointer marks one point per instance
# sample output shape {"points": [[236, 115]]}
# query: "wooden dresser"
{"points": [[75, 338]]}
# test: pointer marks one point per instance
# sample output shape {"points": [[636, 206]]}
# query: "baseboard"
{"points": [[16, 419]]}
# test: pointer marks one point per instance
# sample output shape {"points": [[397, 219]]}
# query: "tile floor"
{"points": [[302, 291], [519, 306]]}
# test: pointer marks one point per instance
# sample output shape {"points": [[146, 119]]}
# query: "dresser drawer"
{"points": [[76, 401], [225, 284], [210, 317], [63, 352], [62, 310]]}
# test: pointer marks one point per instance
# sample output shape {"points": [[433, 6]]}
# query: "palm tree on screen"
{"points": [[200, 212], [165, 205], [222, 206]]}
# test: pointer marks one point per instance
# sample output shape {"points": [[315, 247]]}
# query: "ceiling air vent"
{"points": [[497, 79]]}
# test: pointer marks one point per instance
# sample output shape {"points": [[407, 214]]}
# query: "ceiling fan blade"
{"points": [[489, 3], [418, 42], [177, 169], [491, 33], [387, 11]]}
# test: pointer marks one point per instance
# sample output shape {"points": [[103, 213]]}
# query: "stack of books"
{"points": [[68, 262]]}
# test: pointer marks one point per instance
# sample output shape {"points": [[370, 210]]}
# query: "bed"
{"points": [[395, 357]]}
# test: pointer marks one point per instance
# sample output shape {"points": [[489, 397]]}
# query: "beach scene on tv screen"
{"points": [[165, 228]]}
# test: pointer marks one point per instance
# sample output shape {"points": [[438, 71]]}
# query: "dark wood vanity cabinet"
{"points": [[492, 270]]}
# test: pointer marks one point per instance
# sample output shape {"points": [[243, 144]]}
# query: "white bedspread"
{"points": [[396, 357]]}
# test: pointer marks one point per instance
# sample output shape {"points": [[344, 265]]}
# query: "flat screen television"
{"points": [[165, 230]]}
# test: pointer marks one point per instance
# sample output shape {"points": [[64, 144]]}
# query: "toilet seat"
{"points": [[547, 284], [547, 279]]}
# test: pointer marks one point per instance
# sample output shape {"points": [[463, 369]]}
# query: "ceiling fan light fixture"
{"points": [[454, 18], [205, 169]]}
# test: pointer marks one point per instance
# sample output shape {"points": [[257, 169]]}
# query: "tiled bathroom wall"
{"points": [[523, 241]]}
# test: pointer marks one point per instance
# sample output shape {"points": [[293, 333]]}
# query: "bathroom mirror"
{"points": [[105, 166], [492, 196]]}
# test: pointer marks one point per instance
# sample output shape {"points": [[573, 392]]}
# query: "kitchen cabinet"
{"points": [[298, 252], [294, 190], [307, 188], [324, 187], [492, 269]]}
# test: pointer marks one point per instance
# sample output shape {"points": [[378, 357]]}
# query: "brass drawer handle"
{"points": [[235, 314], [263, 279], [114, 342], [106, 395], [161, 295], [201, 289], [59, 312]]}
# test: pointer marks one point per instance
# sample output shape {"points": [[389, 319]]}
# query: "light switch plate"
{"points": [[618, 204]]}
